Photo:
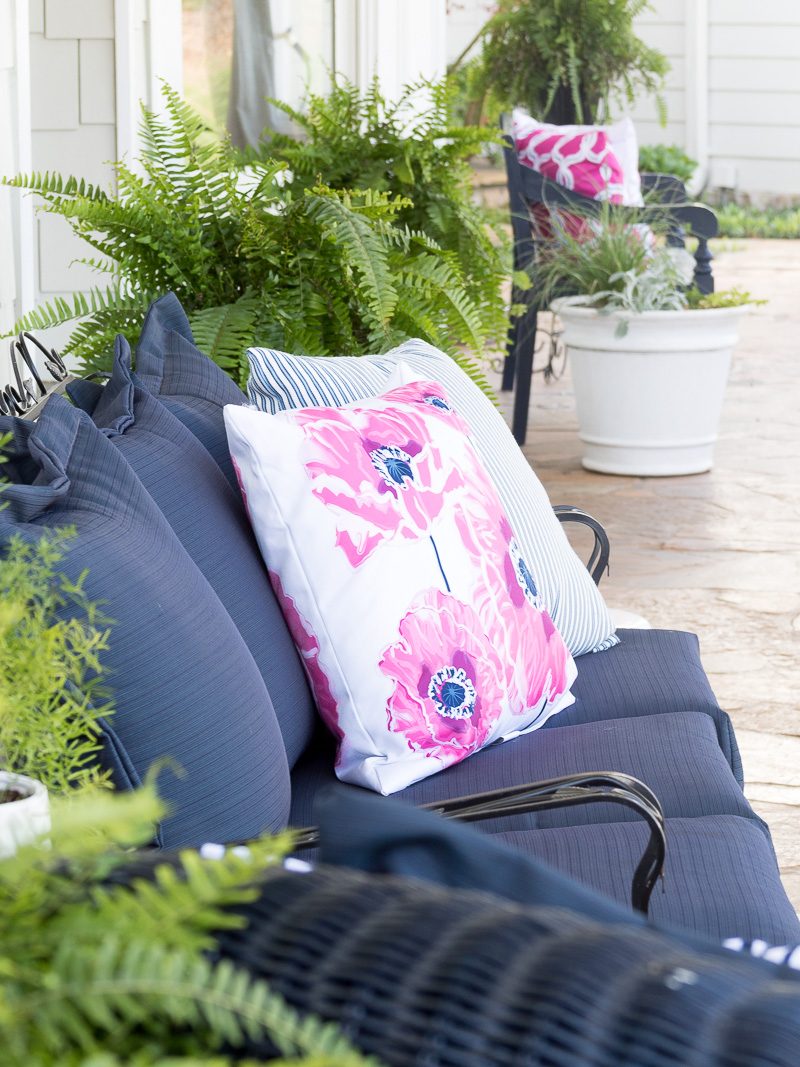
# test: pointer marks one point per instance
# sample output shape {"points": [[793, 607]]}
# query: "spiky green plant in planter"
{"points": [[320, 271], [94, 974]]}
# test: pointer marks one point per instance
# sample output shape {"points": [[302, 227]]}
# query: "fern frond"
{"points": [[95, 991]]}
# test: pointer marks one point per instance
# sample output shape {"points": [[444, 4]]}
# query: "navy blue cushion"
{"points": [[676, 755], [210, 521], [649, 672], [184, 683], [188, 383], [721, 878]]}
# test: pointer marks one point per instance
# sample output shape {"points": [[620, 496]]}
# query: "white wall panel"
{"points": [[73, 19], [97, 97], [765, 109], [58, 249], [54, 84], [769, 176], [766, 42], [36, 16], [756, 142], [664, 11], [84, 152], [755, 75], [747, 12]]}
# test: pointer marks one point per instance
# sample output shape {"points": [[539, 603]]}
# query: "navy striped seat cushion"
{"points": [[650, 672], [209, 519], [279, 381], [720, 877], [677, 755], [184, 683]]}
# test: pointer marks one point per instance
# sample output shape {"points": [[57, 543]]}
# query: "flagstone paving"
{"points": [[719, 553]]}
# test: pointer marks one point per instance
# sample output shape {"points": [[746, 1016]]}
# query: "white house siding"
{"points": [[664, 28], [754, 99]]}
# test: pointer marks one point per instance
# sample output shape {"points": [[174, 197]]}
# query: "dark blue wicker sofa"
{"points": [[204, 669]]}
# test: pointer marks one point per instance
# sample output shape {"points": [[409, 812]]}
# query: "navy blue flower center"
{"points": [[437, 402], [452, 693], [394, 465], [523, 574]]}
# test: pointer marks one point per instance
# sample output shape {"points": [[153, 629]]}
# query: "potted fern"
{"points": [[649, 355], [51, 701]]}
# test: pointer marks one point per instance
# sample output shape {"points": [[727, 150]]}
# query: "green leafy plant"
{"points": [[97, 974], [727, 298], [562, 58], [320, 271], [411, 151], [666, 159], [51, 698]]}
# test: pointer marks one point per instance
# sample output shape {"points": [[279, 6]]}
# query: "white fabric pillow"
{"points": [[406, 591], [280, 381]]}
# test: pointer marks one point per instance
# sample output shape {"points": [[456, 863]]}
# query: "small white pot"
{"points": [[649, 402], [22, 821]]}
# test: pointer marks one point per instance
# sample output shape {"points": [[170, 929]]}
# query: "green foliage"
{"points": [[728, 298], [104, 975], [253, 258], [739, 220], [600, 259], [666, 159], [51, 699], [414, 154], [579, 51]]}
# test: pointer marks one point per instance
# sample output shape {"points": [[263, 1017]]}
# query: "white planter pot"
{"points": [[649, 402], [21, 821]]}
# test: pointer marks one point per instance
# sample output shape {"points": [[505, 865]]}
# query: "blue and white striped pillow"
{"points": [[279, 381]]}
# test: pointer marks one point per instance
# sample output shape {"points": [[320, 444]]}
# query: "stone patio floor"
{"points": [[719, 553]]}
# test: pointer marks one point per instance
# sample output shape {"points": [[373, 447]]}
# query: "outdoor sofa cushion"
{"points": [[188, 383], [676, 755], [650, 672], [210, 521], [395, 560], [184, 684], [280, 381], [721, 878]]}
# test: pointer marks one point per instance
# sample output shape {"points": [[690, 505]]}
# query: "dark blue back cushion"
{"points": [[189, 384], [210, 521], [184, 683]]}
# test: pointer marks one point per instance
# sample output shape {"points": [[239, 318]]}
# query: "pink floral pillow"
{"points": [[415, 614]]}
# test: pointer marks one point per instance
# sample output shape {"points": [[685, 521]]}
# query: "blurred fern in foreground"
{"points": [[94, 974]]}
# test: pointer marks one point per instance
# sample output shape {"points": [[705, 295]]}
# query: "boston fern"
{"points": [[410, 149], [252, 258], [96, 974]]}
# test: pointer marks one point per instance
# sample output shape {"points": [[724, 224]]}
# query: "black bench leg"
{"points": [[525, 342]]}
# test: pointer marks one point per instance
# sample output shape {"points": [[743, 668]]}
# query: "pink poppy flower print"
{"points": [[308, 647], [507, 600], [447, 675], [434, 398], [378, 471]]}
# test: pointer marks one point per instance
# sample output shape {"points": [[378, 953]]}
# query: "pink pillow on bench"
{"points": [[600, 162]]}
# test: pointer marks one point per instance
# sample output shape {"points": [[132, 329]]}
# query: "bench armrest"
{"points": [[598, 561]]}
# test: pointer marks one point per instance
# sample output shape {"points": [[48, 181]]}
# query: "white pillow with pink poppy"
{"points": [[417, 618]]}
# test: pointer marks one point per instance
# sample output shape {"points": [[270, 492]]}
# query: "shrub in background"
{"points": [[253, 258], [666, 159]]}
